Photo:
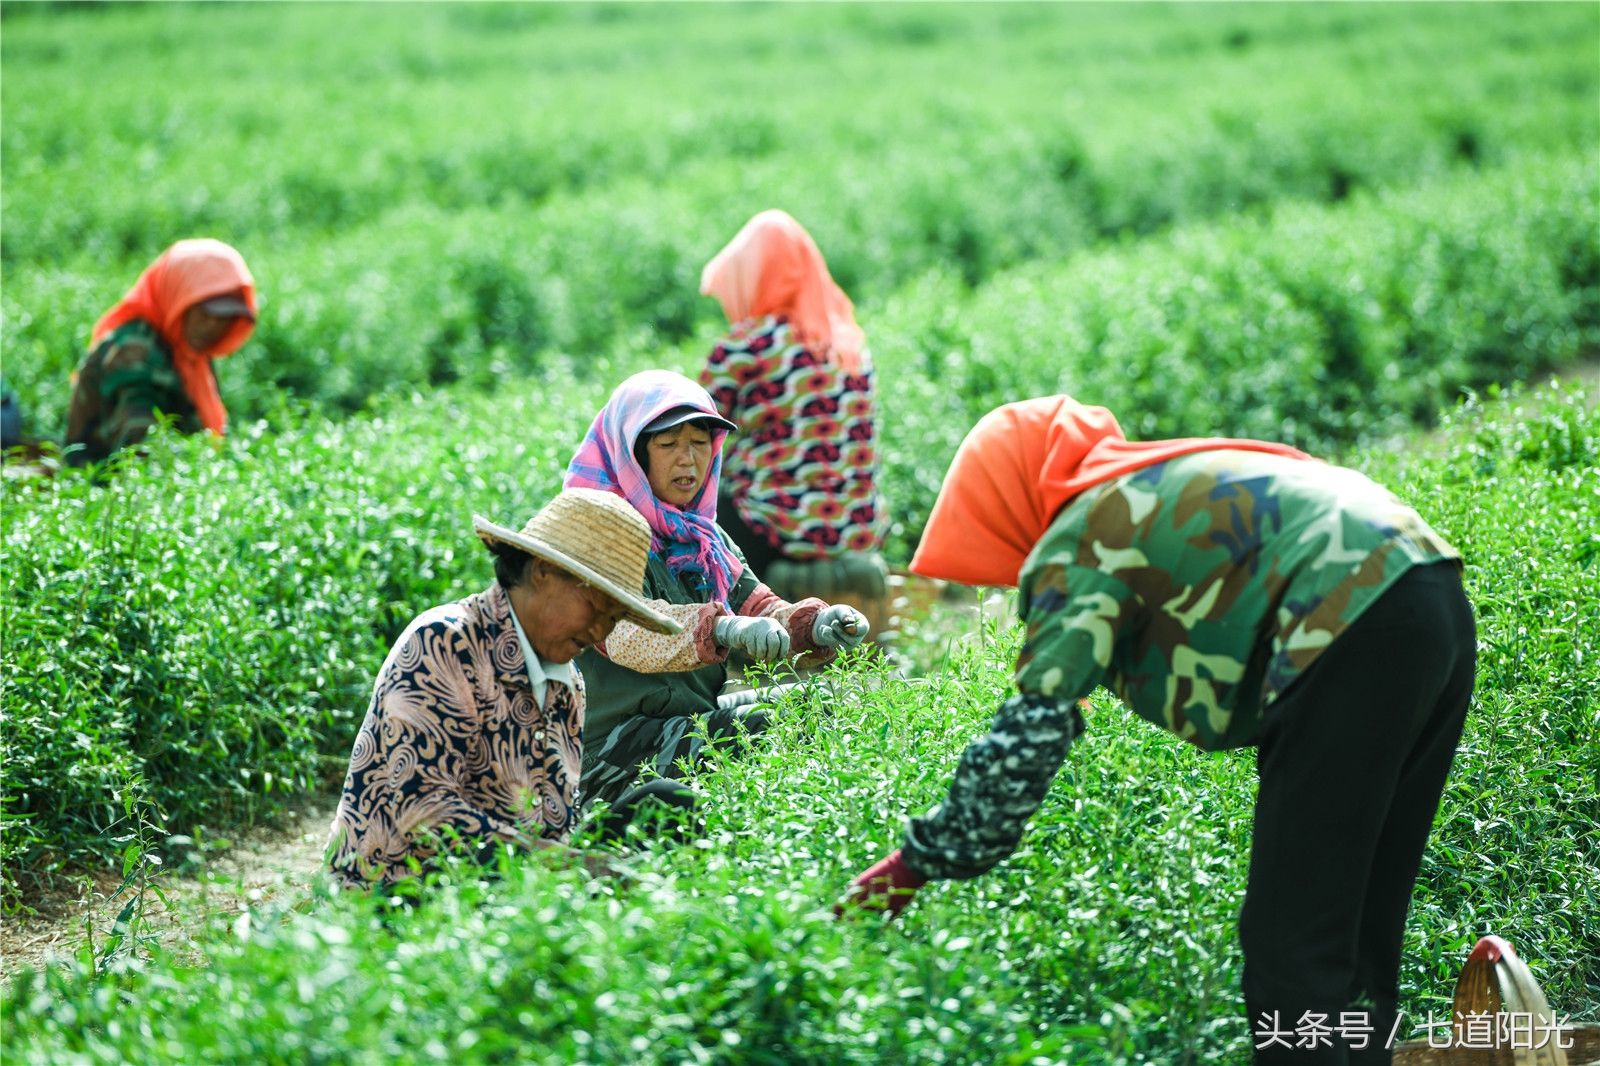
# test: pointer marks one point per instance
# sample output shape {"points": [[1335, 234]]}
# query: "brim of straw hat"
{"points": [[639, 610]]}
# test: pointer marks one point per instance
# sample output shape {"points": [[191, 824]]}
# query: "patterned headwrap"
{"points": [[687, 537]]}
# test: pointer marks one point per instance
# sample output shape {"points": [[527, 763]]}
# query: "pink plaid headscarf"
{"points": [[688, 537]]}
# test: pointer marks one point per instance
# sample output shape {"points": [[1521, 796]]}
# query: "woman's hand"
{"points": [[839, 626], [763, 639]]}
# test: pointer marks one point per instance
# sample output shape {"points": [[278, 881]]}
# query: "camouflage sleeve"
{"points": [[1004, 776], [1001, 780]]}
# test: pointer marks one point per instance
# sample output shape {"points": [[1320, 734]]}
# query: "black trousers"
{"points": [[1352, 762], [612, 768], [642, 803]]}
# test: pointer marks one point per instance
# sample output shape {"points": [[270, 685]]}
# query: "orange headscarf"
{"points": [[773, 267], [182, 276], [1018, 467]]}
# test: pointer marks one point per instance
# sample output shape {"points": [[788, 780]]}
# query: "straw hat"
{"points": [[596, 537]]}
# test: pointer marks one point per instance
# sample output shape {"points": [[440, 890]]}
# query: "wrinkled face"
{"points": [[204, 330], [561, 615], [677, 461]]}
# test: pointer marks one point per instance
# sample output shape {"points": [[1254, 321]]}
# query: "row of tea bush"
{"points": [[314, 541], [1107, 938], [399, 244], [1318, 326]]}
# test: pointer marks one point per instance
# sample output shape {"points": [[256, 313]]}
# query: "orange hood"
{"points": [[1018, 467], [185, 274]]}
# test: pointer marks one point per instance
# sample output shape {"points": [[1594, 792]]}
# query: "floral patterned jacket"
{"points": [[803, 468], [454, 745]]}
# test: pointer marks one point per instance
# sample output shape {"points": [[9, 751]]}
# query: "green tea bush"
{"points": [[402, 240], [1294, 328], [1108, 937], [197, 633], [1315, 326], [1517, 852], [1310, 223]]}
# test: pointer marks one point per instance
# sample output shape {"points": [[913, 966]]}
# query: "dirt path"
{"points": [[267, 863], [1588, 374]]}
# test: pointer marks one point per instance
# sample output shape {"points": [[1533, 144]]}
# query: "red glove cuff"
{"points": [[895, 869], [889, 883]]}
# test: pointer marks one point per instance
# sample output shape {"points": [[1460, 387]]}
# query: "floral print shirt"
{"points": [[454, 744], [803, 469]]}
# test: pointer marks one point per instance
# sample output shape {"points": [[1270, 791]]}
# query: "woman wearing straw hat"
{"points": [[153, 351], [474, 733], [1240, 594], [799, 490], [658, 444]]}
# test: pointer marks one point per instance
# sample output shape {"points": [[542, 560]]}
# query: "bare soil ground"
{"points": [[266, 863], [1588, 373]]}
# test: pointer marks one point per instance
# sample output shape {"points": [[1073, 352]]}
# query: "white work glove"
{"points": [[839, 626], [763, 639]]}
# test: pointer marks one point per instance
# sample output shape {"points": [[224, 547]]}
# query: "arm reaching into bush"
{"points": [[1000, 781], [708, 636]]}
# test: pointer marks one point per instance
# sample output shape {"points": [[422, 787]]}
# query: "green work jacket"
{"points": [[616, 693]]}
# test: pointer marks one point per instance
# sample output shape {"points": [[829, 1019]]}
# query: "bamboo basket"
{"points": [[1495, 982]]}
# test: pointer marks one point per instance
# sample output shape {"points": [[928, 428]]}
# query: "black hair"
{"points": [[511, 564], [641, 453]]}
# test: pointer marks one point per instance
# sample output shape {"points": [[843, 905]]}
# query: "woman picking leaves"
{"points": [[657, 443], [474, 735], [1239, 594], [799, 493], [152, 353]]}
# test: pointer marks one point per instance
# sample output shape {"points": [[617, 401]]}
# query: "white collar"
{"points": [[539, 671]]}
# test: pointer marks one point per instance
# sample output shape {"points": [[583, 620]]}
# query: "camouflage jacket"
{"points": [[122, 383], [1197, 590]]}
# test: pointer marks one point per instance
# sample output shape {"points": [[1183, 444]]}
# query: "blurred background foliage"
{"points": [[441, 193]]}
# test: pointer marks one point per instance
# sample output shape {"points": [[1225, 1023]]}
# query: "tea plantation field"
{"points": [[1107, 938], [442, 192], [1370, 230]]}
